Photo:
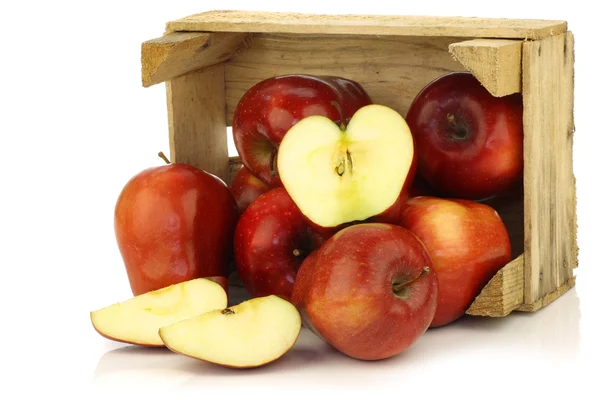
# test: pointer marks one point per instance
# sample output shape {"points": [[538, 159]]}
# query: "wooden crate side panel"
{"points": [[549, 183], [391, 69], [196, 113], [413, 25]]}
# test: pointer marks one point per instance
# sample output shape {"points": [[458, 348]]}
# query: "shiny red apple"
{"points": [[469, 143], [272, 239], [271, 107], [467, 242], [246, 188], [369, 291], [174, 223]]}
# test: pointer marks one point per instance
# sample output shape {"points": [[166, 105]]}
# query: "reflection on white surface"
{"points": [[473, 347]]}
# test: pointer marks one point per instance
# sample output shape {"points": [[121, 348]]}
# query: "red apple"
{"points": [[359, 171], [369, 291], [246, 188], [470, 143], [271, 107], [271, 240], [467, 242], [174, 223]]}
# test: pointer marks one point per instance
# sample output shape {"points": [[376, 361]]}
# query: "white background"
{"points": [[76, 124]]}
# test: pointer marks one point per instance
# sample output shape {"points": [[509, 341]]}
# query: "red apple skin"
{"points": [[467, 242], [345, 294], [267, 236], [470, 143], [174, 223], [246, 188], [271, 107]]}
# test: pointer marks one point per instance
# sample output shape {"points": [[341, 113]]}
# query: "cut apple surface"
{"points": [[253, 333], [138, 319], [338, 174]]}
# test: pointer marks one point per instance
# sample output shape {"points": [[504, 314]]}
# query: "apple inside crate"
{"points": [[209, 60]]}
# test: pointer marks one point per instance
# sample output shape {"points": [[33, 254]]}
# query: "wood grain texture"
{"points": [[550, 218], [548, 298], [235, 163], [502, 294], [196, 112], [391, 69], [273, 22], [496, 63], [175, 54]]}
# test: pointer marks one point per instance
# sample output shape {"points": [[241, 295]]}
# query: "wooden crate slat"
{"points": [[196, 113], [275, 22], [503, 294], [178, 53], [391, 69], [549, 183], [496, 63]]}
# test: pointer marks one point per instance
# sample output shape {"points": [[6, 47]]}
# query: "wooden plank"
{"points": [[391, 69], [502, 294], [196, 112], [496, 63], [176, 54], [274, 22], [235, 163], [549, 201]]}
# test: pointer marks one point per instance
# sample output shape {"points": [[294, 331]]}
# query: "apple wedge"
{"points": [[340, 174], [251, 334], [137, 320]]}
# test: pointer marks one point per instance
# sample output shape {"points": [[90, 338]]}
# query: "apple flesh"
{"points": [[271, 107], [246, 188], [369, 291], [174, 223], [470, 143], [253, 333], [272, 238], [138, 319], [468, 243], [341, 174]]}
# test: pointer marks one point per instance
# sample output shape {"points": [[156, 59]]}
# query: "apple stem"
{"points": [[343, 120], [227, 311], [297, 252], [459, 131], [162, 155], [399, 287], [273, 163]]}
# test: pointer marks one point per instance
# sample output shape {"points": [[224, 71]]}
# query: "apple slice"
{"points": [[337, 174], [251, 334], [137, 320]]}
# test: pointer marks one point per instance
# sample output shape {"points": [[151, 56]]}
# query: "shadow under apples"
{"points": [[553, 330]]}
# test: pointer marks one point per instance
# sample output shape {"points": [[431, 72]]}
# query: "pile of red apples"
{"points": [[363, 225]]}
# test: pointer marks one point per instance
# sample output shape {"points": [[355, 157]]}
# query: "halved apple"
{"points": [[338, 174], [253, 333], [137, 320]]}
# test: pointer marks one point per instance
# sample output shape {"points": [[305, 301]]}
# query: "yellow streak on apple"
{"points": [[331, 188], [138, 319], [250, 334]]}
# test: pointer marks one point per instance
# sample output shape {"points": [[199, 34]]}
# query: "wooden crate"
{"points": [[209, 60]]}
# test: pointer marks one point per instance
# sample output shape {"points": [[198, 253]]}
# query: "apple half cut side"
{"points": [[340, 174], [137, 320], [253, 333]]}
